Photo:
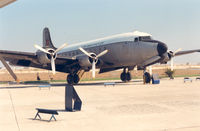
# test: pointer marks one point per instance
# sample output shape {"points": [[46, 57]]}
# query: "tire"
{"points": [[76, 79], [128, 76], [70, 79], [147, 77], [123, 77]]}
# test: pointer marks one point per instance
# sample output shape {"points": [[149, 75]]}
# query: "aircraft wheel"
{"points": [[128, 76], [70, 79], [147, 77], [76, 79], [123, 76]]}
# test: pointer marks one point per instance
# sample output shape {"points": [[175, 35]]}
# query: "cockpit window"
{"points": [[136, 39], [143, 38]]}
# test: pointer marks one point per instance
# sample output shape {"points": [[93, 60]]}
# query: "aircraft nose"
{"points": [[161, 48]]}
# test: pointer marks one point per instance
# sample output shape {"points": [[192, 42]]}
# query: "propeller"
{"points": [[172, 59], [94, 58], [174, 53], [52, 53]]}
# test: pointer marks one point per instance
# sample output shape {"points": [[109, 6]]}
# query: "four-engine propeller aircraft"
{"points": [[122, 51]]}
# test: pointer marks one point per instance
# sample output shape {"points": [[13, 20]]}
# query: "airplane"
{"points": [[122, 51]]}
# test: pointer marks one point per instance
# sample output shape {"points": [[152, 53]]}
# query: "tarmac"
{"points": [[171, 105]]}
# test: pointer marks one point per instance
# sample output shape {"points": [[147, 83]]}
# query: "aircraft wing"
{"points": [[30, 60], [5, 2], [186, 52]]}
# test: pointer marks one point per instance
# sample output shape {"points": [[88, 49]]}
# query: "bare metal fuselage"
{"points": [[123, 51]]}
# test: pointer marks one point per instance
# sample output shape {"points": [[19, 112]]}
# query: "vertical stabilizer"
{"points": [[47, 43]]}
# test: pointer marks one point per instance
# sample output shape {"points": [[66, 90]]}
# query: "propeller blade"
{"points": [[53, 65], [172, 64], [84, 51], [93, 69], [42, 49], [174, 53], [60, 48], [102, 53]]}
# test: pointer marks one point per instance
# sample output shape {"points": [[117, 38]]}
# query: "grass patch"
{"points": [[99, 79], [57, 81], [3, 82], [86, 79], [35, 82], [186, 75]]}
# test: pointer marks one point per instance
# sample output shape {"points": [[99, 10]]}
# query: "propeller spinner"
{"points": [[52, 53]]}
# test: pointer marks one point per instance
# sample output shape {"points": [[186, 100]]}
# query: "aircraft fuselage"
{"points": [[124, 50]]}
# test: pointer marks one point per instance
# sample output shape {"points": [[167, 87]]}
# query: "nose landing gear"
{"points": [[126, 76], [146, 77]]}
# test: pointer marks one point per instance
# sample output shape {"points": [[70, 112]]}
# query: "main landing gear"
{"points": [[125, 76], [75, 78]]}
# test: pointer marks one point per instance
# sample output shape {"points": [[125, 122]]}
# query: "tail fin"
{"points": [[47, 43]]}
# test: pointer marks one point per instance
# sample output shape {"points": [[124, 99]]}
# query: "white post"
{"points": [[172, 64], [150, 70]]}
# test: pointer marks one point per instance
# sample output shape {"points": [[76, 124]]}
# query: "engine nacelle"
{"points": [[84, 61], [43, 58], [166, 57]]}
